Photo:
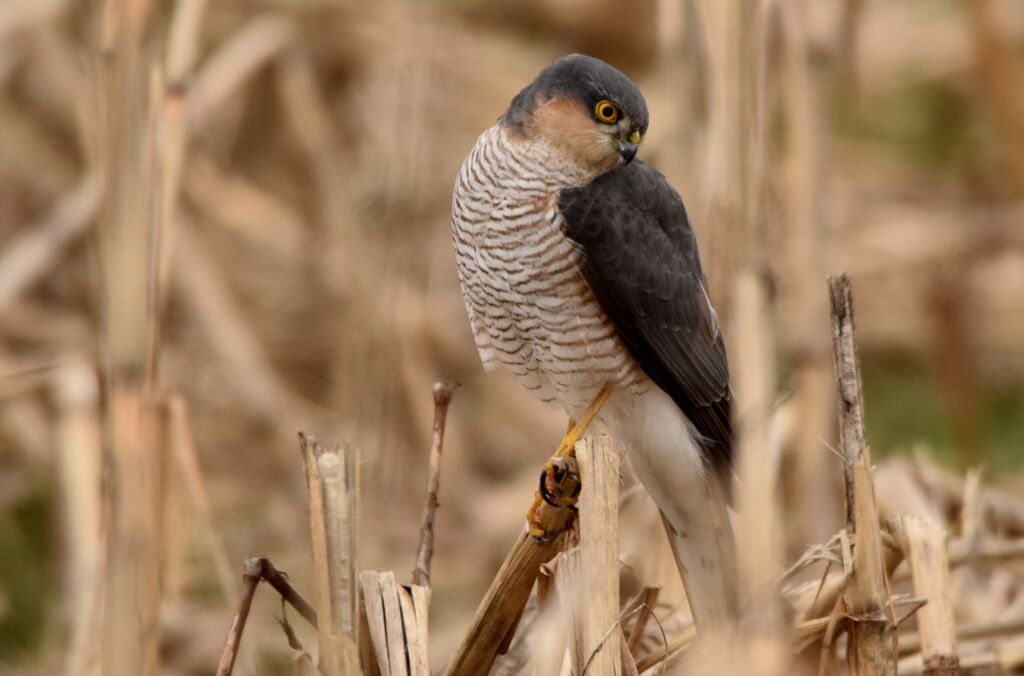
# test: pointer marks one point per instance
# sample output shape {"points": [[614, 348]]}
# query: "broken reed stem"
{"points": [[258, 569], [331, 482], [865, 595], [442, 398], [499, 612], [598, 587], [396, 624], [924, 545]]}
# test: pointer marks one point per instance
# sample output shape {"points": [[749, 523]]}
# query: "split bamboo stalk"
{"points": [[397, 624], [598, 586], [333, 498], [924, 545], [865, 594]]}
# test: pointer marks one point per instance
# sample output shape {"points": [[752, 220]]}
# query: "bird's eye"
{"points": [[606, 111]]}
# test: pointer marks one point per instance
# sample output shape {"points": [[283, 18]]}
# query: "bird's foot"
{"points": [[560, 481], [557, 493]]}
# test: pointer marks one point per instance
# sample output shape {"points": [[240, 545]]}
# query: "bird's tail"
{"points": [[692, 502]]}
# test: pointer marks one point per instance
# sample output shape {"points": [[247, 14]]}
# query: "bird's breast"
{"points": [[531, 311]]}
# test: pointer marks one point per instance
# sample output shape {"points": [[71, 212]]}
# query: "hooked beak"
{"points": [[628, 143], [627, 150]]}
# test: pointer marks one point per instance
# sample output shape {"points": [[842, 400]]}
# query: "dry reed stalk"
{"points": [[501, 607], [442, 398], [924, 545], [758, 524], [397, 622], [496, 617], [183, 41], [333, 499], [132, 589], [806, 87], [998, 71], [132, 586], [966, 633], [865, 595], [80, 463], [730, 224], [598, 587]]}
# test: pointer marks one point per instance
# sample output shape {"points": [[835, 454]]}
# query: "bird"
{"points": [[580, 271]]}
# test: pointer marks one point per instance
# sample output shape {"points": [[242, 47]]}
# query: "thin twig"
{"points": [[250, 580], [258, 569], [442, 398]]}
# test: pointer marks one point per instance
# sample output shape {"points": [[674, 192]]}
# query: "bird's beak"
{"points": [[627, 150], [628, 141]]}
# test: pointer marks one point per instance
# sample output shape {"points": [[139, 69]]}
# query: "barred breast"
{"points": [[530, 310]]}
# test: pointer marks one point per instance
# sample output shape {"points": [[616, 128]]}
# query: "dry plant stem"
{"points": [[256, 570], [442, 398], [509, 591], [598, 588], [967, 632], [80, 465], [663, 653], [250, 579], [396, 619], [924, 545], [647, 600], [865, 594], [996, 62], [331, 482]]}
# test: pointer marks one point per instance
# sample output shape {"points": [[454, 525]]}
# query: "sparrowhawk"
{"points": [[579, 269]]}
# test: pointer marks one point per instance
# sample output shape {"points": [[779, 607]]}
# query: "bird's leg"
{"points": [[559, 482]]}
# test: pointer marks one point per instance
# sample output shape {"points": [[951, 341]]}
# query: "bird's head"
{"points": [[584, 108]]}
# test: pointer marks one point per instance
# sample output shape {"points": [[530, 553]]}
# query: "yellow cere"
{"points": [[634, 138], [606, 111]]}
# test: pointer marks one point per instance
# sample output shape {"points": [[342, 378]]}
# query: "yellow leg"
{"points": [[568, 444]]}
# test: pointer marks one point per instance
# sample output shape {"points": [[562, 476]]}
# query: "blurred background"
{"points": [[240, 209]]}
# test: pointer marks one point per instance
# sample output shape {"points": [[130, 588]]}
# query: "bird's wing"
{"points": [[639, 257]]}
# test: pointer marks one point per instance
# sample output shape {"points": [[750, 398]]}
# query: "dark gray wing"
{"points": [[639, 257]]}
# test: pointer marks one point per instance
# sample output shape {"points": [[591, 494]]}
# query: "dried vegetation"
{"points": [[221, 223]]}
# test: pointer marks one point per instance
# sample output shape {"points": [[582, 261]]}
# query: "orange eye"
{"points": [[606, 112]]}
